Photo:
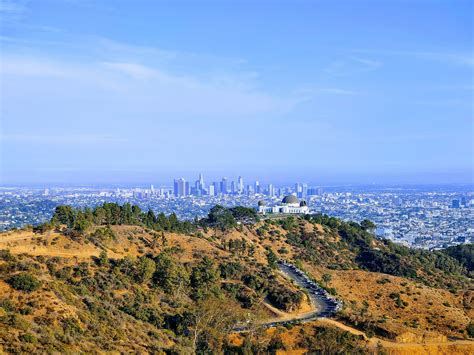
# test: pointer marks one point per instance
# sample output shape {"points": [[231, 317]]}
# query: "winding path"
{"points": [[322, 304]]}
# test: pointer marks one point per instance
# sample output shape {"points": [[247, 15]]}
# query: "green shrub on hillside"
{"points": [[24, 282]]}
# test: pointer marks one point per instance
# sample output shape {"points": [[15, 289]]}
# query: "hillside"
{"points": [[119, 279]]}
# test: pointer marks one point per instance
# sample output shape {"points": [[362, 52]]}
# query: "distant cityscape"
{"points": [[420, 216], [182, 188]]}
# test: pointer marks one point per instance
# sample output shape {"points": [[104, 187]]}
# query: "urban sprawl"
{"points": [[420, 216]]}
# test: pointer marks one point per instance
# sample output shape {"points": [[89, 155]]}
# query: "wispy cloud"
{"points": [[147, 88], [11, 11], [134, 70], [337, 91], [351, 65], [311, 90], [369, 63], [452, 57], [12, 7]]}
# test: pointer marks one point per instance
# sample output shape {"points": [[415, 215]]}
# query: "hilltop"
{"points": [[119, 279]]}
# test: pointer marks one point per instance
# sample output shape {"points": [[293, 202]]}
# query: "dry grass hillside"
{"points": [[133, 288]]}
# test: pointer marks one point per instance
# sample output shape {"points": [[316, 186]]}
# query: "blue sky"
{"points": [[317, 91]]}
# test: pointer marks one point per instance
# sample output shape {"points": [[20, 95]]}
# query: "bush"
{"points": [[28, 338], [470, 330], [24, 282]]}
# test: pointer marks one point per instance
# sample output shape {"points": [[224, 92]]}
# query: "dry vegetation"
{"points": [[135, 288]]}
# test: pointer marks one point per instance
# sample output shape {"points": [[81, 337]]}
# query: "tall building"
{"points": [[232, 187], [241, 185], [249, 190], [152, 189], [181, 187], [175, 188], [271, 190], [201, 183], [455, 204], [212, 190], [257, 187], [298, 189], [224, 189], [197, 188], [216, 188], [304, 190]]}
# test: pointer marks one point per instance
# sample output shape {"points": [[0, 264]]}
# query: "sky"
{"points": [[317, 91]]}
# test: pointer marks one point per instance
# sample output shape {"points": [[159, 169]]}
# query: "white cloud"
{"points": [[369, 63], [136, 88], [351, 65], [12, 7], [134, 70]]}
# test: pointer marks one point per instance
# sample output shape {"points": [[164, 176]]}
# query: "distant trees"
{"points": [[227, 218], [43, 227], [244, 215], [115, 214], [462, 253], [220, 217], [63, 215], [367, 225]]}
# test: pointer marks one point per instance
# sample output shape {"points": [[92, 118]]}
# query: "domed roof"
{"points": [[290, 199], [261, 203], [303, 203]]}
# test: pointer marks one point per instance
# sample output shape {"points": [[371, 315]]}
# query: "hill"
{"points": [[119, 279]]}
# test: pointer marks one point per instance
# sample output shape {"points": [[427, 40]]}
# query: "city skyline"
{"points": [[182, 187], [316, 91]]}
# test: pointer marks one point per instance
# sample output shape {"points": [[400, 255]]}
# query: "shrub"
{"points": [[28, 338], [7, 305], [470, 330], [6, 255], [24, 282]]}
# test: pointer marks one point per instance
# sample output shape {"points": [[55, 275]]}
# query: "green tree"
{"points": [[272, 258], [24, 282], [81, 223], [145, 269], [204, 277], [326, 279], [170, 275], [367, 225], [103, 258], [221, 218], [63, 215]]}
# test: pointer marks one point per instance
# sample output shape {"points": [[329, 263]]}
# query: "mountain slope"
{"points": [[155, 287]]}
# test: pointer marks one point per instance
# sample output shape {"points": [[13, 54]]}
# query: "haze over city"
{"points": [[323, 92]]}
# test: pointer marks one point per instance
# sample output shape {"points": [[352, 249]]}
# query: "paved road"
{"points": [[322, 304]]}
